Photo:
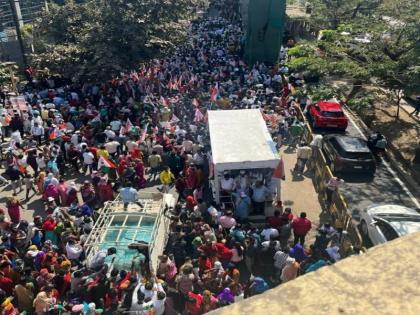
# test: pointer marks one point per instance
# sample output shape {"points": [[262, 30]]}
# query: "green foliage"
{"points": [[345, 28], [362, 102], [97, 39], [314, 66], [5, 73], [302, 50], [322, 92], [27, 31], [368, 40], [328, 35], [329, 14]]}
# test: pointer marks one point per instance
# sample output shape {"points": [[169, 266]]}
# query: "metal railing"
{"points": [[337, 208], [153, 207]]}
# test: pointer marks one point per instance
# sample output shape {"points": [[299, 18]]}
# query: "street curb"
{"points": [[398, 166]]}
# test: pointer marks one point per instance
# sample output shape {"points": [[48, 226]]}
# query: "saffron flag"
{"points": [[279, 170], [198, 116], [214, 91], [104, 162], [53, 134], [265, 116]]}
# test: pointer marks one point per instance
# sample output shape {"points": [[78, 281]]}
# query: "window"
{"points": [[332, 114], [387, 230]]}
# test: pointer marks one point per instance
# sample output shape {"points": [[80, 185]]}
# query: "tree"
{"points": [[8, 72], [97, 39], [379, 43], [329, 14]]}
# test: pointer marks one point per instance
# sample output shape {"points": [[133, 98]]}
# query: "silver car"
{"points": [[387, 222]]}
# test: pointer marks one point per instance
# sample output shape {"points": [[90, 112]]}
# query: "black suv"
{"points": [[348, 154]]}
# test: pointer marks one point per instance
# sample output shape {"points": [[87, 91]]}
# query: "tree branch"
{"points": [[397, 54]]}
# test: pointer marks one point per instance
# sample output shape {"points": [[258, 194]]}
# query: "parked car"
{"points": [[327, 115], [348, 154], [387, 222]]}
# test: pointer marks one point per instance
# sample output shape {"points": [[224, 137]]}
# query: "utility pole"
{"points": [[18, 21]]}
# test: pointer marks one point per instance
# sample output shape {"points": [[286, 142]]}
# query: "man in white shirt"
{"points": [[73, 250], [269, 233], [88, 160], [115, 125], [75, 138], [128, 195], [227, 183], [97, 262], [112, 147], [109, 133], [154, 294], [16, 137], [37, 132]]}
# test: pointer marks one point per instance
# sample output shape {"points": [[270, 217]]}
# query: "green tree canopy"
{"points": [[96, 39], [367, 41]]}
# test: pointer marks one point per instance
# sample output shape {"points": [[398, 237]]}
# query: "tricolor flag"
{"points": [[104, 162], [174, 119], [214, 91], [144, 133], [279, 170], [128, 124], [53, 134]]}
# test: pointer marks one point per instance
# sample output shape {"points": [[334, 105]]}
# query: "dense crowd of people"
{"points": [[146, 128]]}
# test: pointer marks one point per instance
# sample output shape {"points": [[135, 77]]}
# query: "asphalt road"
{"points": [[385, 187]]}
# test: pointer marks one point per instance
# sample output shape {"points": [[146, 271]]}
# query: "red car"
{"points": [[328, 115]]}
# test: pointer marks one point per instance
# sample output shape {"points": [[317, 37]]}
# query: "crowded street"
{"points": [[75, 152]]}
